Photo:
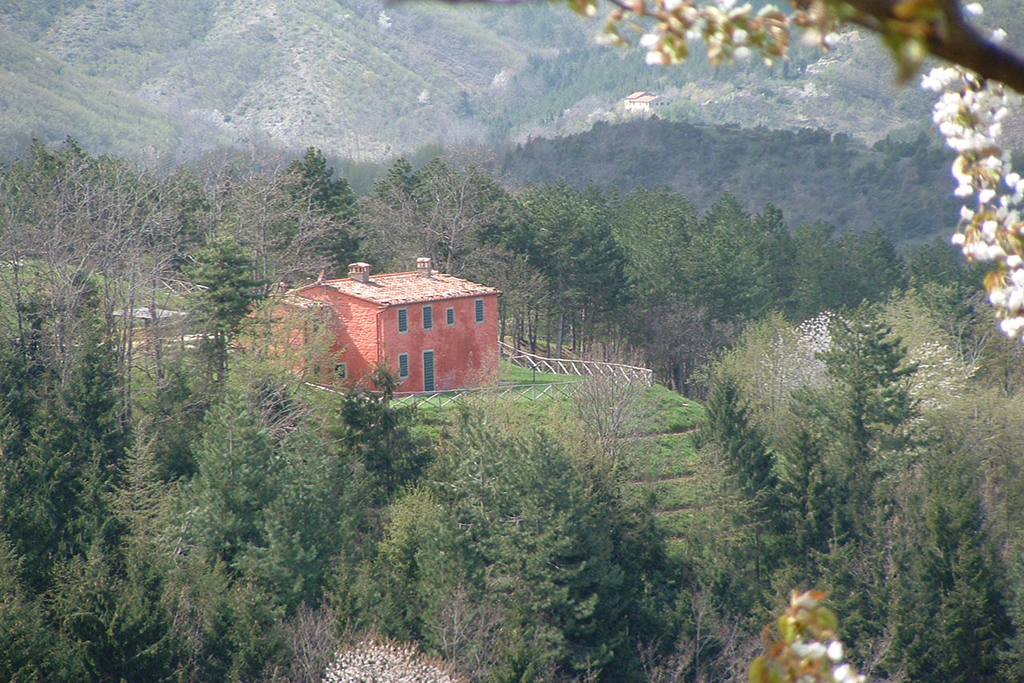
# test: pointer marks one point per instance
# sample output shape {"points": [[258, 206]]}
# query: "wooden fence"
{"points": [[568, 366], [527, 392], [440, 399], [524, 392]]}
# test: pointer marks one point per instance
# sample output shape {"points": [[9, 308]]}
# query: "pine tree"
{"points": [[952, 622], [866, 415], [752, 464], [237, 476], [224, 272], [25, 643], [379, 434], [110, 618], [310, 177]]}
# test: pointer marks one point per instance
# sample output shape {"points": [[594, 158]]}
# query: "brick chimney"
{"points": [[360, 272], [423, 265]]}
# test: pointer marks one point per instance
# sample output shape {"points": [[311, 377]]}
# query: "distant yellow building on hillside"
{"points": [[643, 102]]}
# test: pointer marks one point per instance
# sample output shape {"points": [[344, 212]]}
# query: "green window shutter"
{"points": [[479, 310], [403, 365], [428, 371], [403, 319], [428, 317], [450, 314]]}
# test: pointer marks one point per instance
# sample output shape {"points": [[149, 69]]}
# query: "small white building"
{"points": [[643, 102]]}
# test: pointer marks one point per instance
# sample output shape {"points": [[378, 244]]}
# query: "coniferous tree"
{"points": [[224, 272], [751, 463], [26, 645], [110, 619], [310, 177], [952, 623], [379, 434], [866, 414], [237, 476]]}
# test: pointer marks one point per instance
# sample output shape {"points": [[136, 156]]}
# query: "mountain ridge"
{"points": [[365, 80]]}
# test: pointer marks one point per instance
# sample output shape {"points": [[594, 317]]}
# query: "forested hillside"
{"points": [[177, 505], [903, 188]]}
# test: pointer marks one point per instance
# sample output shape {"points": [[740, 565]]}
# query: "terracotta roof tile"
{"points": [[405, 288], [298, 301]]}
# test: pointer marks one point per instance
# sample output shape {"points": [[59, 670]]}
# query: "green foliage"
{"points": [[224, 272], [821, 172], [25, 644], [567, 237], [112, 624], [560, 562], [313, 180], [379, 436], [954, 623]]}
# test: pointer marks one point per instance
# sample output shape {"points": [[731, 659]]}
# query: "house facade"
{"points": [[642, 102], [435, 331]]}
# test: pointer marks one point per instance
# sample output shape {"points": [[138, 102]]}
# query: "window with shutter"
{"points": [[428, 370]]}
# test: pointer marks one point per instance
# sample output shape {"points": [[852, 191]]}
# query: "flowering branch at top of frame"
{"points": [[910, 29]]}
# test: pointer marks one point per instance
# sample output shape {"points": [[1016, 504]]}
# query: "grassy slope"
{"points": [[659, 461]]}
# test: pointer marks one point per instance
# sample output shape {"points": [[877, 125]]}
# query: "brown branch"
{"points": [[952, 39]]}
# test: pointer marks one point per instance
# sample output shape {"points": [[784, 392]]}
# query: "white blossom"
{"points": [[386, 662], [1011, 326], [969, 113]]}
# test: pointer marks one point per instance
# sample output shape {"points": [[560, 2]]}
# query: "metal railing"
{"points": [[568, 366]]}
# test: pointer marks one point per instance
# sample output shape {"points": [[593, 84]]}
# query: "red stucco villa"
{"points": [[435, 331]]}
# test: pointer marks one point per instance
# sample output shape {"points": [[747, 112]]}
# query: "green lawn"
{"points": [[513, 374], [660, 462]]}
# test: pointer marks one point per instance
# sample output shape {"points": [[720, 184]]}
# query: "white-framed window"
{"points": [[428, 317], [403, 320], [341, 371], [479, 310], [403, 366], [449, 315]]}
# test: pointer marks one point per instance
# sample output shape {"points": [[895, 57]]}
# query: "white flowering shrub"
{"points": [[814, 337], [387, 661], [940, 375]]}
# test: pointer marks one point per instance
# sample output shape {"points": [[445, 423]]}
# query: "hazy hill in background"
{"points": [[903, 188], [365, 80]]}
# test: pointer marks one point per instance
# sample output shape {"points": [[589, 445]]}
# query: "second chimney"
{"points": [[360, 272], [423, 266]]}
